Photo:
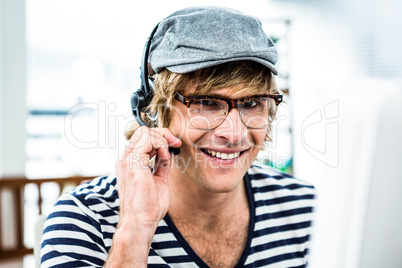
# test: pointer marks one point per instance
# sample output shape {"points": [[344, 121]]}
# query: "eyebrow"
{"points": [[214, 95], [185, 99]]}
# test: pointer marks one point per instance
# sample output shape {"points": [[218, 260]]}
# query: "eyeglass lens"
{"points": [[209, 113]]}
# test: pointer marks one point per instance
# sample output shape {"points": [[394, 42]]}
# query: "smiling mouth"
{"points": [[221, 155]]}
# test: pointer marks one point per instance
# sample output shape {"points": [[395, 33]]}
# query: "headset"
{"points": [[141, 98]]}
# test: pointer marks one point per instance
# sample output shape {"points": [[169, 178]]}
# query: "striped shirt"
{"points": [[79, 231]]}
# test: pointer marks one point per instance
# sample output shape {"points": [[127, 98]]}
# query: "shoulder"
{"points": [[272, 187], [284, 207], [92, 197], [100, 189], [265, 178], [90, 202], [80, 227], [95, 200]]}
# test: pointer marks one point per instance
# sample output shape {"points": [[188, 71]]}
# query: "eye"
{"points": [[206, 102], [250, 103], [208, 105]]}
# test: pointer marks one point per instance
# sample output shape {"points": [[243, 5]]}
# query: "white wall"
{"points": [[12, 105], [345, 69], [12, 87], [382, 243]]}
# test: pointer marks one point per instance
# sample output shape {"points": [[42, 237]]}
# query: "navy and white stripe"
{"points": [[79, 231]]}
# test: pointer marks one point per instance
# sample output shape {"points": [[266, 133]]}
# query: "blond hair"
{"points": [[251, 77]]}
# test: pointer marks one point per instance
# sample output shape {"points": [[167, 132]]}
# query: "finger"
{"points": [[135, 138], [149, 144], [154, 139], [157, 136], [171, 139], [163, 138], [143, 140], [162, 163], [147, 141], [158, 145]]}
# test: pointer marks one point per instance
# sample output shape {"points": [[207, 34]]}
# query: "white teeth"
{"points": [[223, 155]]}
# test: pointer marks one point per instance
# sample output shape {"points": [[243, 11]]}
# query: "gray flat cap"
{"points": [[199, 37]]}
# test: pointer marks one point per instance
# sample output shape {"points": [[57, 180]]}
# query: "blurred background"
{"points": [[68, 68]]}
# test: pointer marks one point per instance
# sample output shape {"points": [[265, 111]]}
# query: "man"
{"points": [[214, 97]]}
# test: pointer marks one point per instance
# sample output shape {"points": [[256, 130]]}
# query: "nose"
{"points": [[232, 128]]}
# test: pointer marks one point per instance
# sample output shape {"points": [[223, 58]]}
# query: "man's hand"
{"points": [[144, 195]]}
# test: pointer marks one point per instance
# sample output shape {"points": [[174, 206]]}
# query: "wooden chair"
{"points": [[12, 189]]}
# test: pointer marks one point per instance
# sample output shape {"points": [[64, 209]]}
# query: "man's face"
{"points": [[214, 160]]}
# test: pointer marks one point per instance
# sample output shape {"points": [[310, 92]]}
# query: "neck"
{"points": [[191, 203]]}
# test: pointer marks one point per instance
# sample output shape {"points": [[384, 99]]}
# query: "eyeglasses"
{"points": [[208, 112]]}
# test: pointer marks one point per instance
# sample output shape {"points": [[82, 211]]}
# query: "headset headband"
{"points": [[141, 98]]}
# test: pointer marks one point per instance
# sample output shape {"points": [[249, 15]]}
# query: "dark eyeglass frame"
{"points": [[233, 103]]}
